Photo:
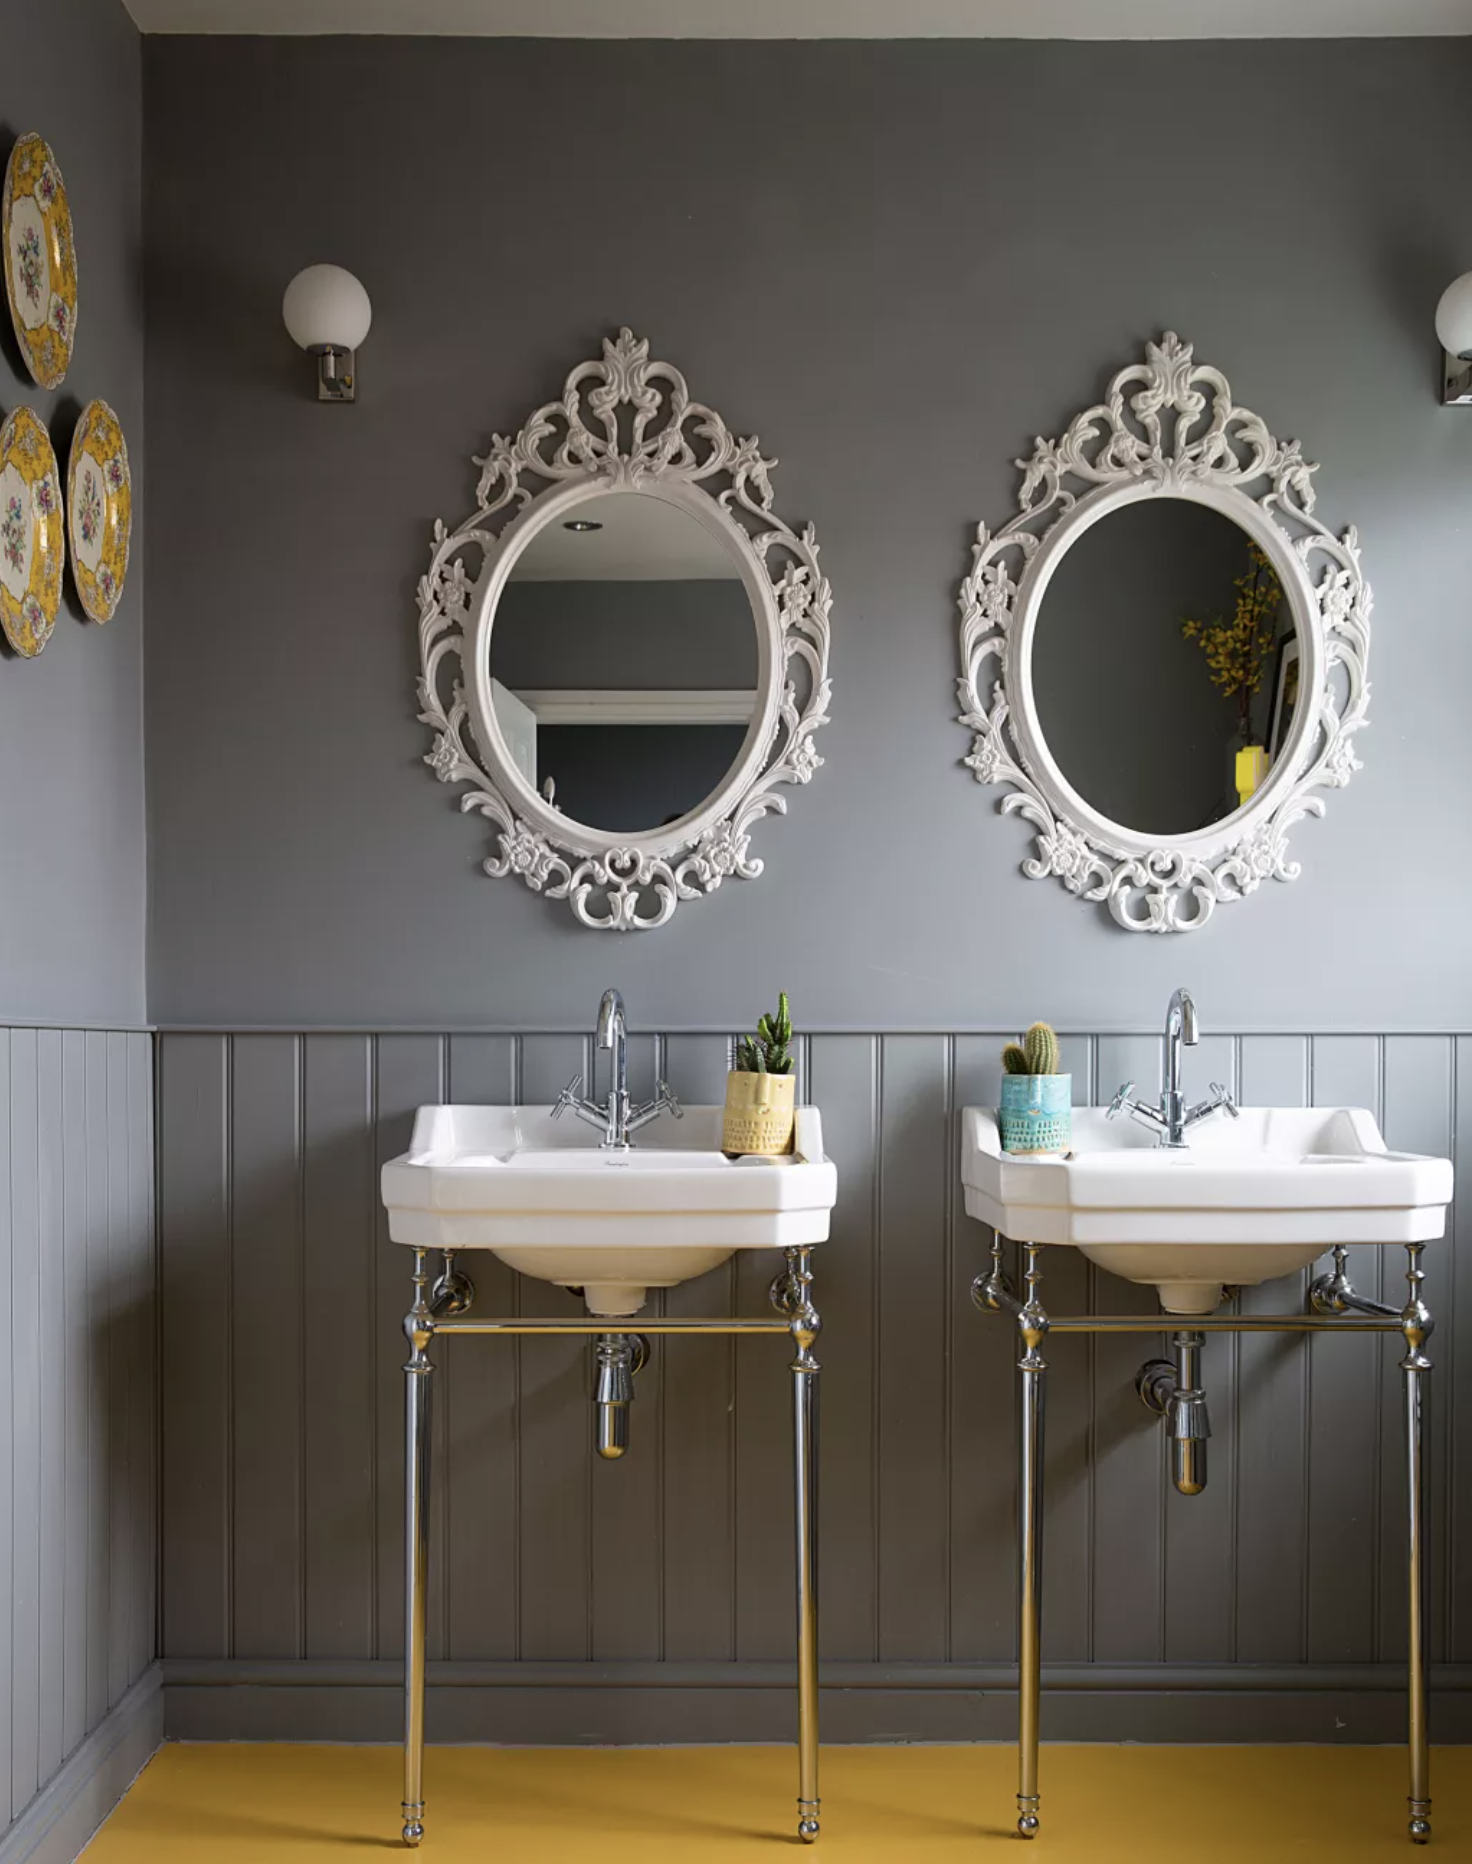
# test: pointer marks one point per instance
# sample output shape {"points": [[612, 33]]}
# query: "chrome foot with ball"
{"points": [[807, 1824], [413, 1825], [1027, 1817]]}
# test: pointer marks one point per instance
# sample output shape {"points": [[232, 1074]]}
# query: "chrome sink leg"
{"points": [[419, 1330], [1032, 1324], [805, 1326], [1416, 1325]]}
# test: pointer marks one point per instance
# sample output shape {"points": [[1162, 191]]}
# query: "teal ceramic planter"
{"points": [[1036, 1114]]}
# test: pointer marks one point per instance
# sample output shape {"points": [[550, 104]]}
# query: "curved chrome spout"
{"points": [[1180, 1031], [613, 1035]]}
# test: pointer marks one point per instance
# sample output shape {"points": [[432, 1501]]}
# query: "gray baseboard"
{"points": [[70, 1807], [569, 1704]]}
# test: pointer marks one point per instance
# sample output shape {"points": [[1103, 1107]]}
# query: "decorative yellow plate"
{"points": [[99, 509], [40, 260], [31, 544]]}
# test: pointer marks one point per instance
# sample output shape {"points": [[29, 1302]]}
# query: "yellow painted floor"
{"points": [[1101, 1805]]}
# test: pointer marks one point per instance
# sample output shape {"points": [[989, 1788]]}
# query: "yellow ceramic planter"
{"points": [[760, 1110]]}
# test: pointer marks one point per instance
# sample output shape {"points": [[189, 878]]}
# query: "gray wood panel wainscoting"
{"points": [[81, 1710], [652, 1599]]}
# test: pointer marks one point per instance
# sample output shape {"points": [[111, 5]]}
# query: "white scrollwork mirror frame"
{"points": [[624, 424], [1167, 427]]}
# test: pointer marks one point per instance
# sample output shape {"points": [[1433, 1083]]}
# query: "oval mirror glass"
{"points": [[1164, 666], [623, 662]]}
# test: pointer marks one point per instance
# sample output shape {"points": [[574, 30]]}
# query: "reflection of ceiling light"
{"points": [[581, 524]]}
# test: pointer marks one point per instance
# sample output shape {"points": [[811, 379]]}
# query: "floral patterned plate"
{"points": [[31, 545], [99, 509], [40, 260]]}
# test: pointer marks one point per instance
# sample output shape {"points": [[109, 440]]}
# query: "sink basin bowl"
{"points": [[545, 1199], [1245, 1200]]}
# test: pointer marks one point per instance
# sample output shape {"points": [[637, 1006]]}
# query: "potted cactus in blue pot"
{"points": [[1036, 1114]]}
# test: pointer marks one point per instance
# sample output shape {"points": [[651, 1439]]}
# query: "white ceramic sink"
{"points": [[543, 1197], [1244, 1201]]}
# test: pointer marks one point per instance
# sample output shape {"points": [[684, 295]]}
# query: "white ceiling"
{"points": [[640, 539], [819, 19]]}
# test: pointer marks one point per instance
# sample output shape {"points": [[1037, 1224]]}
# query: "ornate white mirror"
{"points": [[1163, 653], [624, 650]]}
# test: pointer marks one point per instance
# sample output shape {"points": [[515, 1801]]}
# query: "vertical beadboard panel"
{"points": [[1269, 1471], [105, 1376], [842, 1082], [109, 1089], [267, 1346], [684, 1551], [914, 1300], [25, 1421], [66, 1576], [1130, 1475], [1418, 1078], [408, 1074], [552, 1501], [78, 1527], [51, 1322], [140, 1575], [697, 1422], [481, 1441], [339, 1206], [194, 1239], [8, 1400]]}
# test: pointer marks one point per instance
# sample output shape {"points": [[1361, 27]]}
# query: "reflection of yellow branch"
{"points": [[1237, 650]]}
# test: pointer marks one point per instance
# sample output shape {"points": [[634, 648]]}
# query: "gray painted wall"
{"points": [[71, 721], [78, 1399], [282, 1446], [908, 260]]}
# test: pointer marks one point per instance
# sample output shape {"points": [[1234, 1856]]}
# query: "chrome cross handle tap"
{"points": [[1172, 1118], [615, 1115]]}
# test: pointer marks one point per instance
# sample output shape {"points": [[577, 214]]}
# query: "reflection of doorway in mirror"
{"points": [[1285, 692], [518, 725]]}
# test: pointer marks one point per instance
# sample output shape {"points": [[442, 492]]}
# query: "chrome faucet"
{"points": [[1172, 1119], [615, 1114]]}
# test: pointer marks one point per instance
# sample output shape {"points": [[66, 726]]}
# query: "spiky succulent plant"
{"points": [[769, 1050], [1037, 1053]]}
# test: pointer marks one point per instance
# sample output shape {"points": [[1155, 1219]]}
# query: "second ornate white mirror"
{"points": [[624, 648], [1163, 652]]}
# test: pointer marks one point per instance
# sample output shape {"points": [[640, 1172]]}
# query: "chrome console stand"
{"points": [[1335, 1307], [440, 1309]]}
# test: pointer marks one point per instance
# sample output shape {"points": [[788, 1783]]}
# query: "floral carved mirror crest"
{"points": [[624, 648], [1175, 542]]}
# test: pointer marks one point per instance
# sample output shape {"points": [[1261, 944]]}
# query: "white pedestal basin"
{"points": [[1245, 1200], [545, 1199]]}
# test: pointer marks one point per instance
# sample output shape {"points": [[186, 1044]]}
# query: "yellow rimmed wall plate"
{"points": [[99, 510], [32, 549], [40, 260]]}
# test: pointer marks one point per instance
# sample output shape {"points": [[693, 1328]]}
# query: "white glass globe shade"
{"points": [[1454, 316], [326, 308]]}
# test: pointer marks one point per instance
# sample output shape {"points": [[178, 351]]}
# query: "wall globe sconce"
{"points": [[328, 314], [1454, 327]]}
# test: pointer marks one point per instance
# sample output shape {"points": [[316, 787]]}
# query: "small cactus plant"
{"points": [[1037, 1053], [769, 1050]]}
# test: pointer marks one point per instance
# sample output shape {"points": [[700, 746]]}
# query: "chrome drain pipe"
{"points": [[1172, 1389], [620, 1356]]}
